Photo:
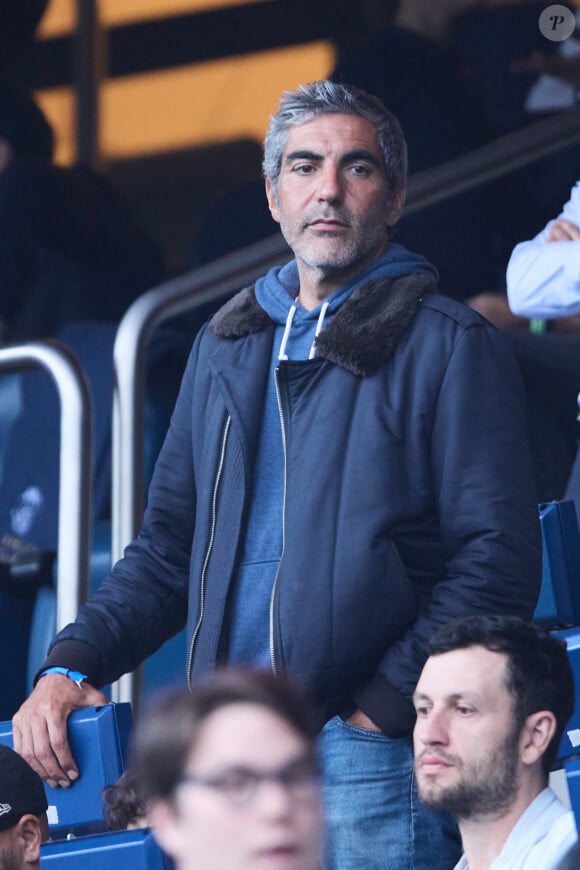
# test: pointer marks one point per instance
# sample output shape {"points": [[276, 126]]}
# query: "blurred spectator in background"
{"points": [[491, 38], [18, 25], [69, 248], [510, 58], [231, 775], [23, 806], [543, 281], [543, 274]]}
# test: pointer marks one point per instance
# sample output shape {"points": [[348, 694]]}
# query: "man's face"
{"points": [[236, 826], [467, 757], [332, 201]]}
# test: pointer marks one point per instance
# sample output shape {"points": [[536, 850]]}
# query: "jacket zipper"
{"points": [[209, 549], [273, 595]]}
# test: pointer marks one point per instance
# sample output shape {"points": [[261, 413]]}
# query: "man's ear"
{"points": [[29, 835], [537, 733], [272, 201], [396, 207]]}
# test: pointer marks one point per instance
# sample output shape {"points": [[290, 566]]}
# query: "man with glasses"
{"points": [[231, 775]]}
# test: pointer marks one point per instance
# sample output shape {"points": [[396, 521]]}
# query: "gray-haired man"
{"points": [[346, 470]]}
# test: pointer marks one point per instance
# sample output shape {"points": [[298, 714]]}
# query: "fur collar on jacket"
{"points": [[363, 333]]}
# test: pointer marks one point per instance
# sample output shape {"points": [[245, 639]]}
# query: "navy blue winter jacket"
{"points": [[408, 500]]}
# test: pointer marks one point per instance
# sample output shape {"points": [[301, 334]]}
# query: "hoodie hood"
{"points": [[277, 290]]}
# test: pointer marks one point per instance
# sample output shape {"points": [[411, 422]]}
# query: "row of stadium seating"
{"points": [[100, 736]]}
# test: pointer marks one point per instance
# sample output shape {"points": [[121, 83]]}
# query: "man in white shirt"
{"points": [[543, 274], [492, 703], [543, 281]]}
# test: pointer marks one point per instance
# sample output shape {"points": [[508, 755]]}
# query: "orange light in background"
{"points": [[184, 107], [60, 16], [214, 102], [115, 12]]}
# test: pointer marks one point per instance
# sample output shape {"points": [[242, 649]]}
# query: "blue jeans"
{"points": [[375, 819]]}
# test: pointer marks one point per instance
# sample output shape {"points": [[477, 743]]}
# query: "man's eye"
{"points": [[422, 711], [236, 782], [360, 169], [463, 710], [303, 168]]}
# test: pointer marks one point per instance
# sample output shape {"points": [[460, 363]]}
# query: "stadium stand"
{"points": [[558, 607]]}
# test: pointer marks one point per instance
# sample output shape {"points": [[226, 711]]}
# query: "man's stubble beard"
{"points": [[488, 790], [372, 237], [9, 860]]}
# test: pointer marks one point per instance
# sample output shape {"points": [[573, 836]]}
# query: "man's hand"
{"points": [[39, 727], [562, 230], [361, 720]]}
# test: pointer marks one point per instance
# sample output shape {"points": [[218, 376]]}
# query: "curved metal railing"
{"points": [[75, 481]]}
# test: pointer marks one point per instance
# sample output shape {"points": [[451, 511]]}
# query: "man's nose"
{"points": [[330, 186], [274, 799], [432, 729]]}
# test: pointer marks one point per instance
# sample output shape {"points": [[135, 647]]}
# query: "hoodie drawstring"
{"points": [[282, 355], [282, 352], [321, 317]]}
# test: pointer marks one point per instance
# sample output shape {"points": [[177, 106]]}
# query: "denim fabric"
{"points": [[374, 816]]}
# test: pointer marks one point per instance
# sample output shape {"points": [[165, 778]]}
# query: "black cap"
{"points": [[21, 789]]}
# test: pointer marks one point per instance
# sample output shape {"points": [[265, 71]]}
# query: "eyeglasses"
{"points": [[239, 784]]}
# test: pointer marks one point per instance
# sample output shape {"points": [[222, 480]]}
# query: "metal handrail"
{"points": [[75, 480], [208, 283]]}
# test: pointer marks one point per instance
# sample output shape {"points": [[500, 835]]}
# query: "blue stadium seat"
{"points": [[570, 744], [116, 850], [559, 601], [99, 738]]}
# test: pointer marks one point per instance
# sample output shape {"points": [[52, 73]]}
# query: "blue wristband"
{"points": [[75, 676]]}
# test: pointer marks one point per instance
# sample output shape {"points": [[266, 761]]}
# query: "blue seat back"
{"points": [[570, 744], [559, 601], [115, 850]]}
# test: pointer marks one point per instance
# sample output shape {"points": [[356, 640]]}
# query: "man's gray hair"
{"points": [[324, 98]]}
